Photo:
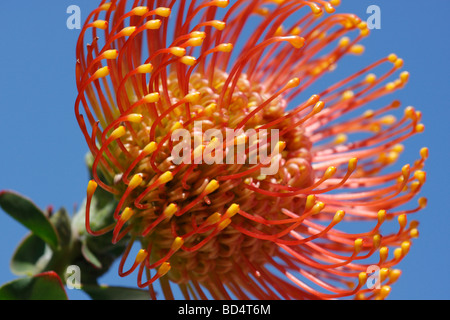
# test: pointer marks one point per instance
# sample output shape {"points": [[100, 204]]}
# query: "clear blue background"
{"points": [[42, 151]]}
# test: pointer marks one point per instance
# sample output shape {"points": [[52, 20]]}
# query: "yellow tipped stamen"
{"points": [[212, 186], [220, 3], [357, 49], [152, 97], [194, 42], [420, 175], [162, 12], [414, 233], [392, 57], [362, 278], [344, 42], [398, 253], [310, 202], [145, 68], [424, 153], [296, 41], [292, 83], [329, 172], [153, 24], [111, 54], [128, 31], [139, 11], [225, 223], [100, 24], [106, 6], [318, 107], [319, 206], [376, 239], [134, 117], [352, 164], [339, 216], [398, 63], [188, 60], [423, 202], [92, 186], [347, 95], [170, 210], [165, 177], [177, 51], [164, 269], [126, 214], [225, 47], [177, 244], [101, 73], [384, 251], [232, 211], [358, 245], [217, 24], [394, 275], [150, 148], [381, 216], [118, 133], [384, 292], [135, 181], [405, 246], [141, 256], [420, 128], [402, 220], [371, 78], [192, 97], [384, 273]]}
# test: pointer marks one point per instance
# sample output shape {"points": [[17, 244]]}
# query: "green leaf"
{"points": [[45, 286], [31, 256], [28, 214], [90, 257], [104, 292]]}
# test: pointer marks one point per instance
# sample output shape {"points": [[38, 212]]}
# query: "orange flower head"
{"points": [[208, 213]]}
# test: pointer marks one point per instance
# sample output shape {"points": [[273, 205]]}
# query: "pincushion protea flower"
{"points": [[225, 230]]}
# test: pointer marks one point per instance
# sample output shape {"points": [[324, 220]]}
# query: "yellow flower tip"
{"points": [[197, 34], [398, 253], [362, 278], [213, 219], [352, 164], [347, 95], [170, 210], [296, 31], [188, 60], [424, 153], [371, 78], [318, 107], [420, 176], [390, 86], [111, 54], [126, 214], [414, 233], [164, 269], [410, 113], [219, 25], [330, 172], [141, 256], [212, 186], [344, 42], [315, 9], [419, 128], [177, 125], [177, 244], [128, 31], [384, 273], [394, 275], [192, 97], [329, 8], [105, 6], [358, 245], [384, 251], [118, 133], [406, 171], [357, 49], [220, 3], [319, 206], [310, 202], [384, 292], [404, 76], [135, 181], [232, 210], [145, 68], [194, 42], [402, 220], [405, 246], [414, 224], [165, 177], [101, 73], [92, 186], [100, 24], [296, 41], [225, 223], [163, 12], [376, 241], [152, 97], [381, 216], [392, 57], [292, 83], [153, 24], [338, 216], [335, 2], [360, 296], [398, 63], [139, 11], [225, 47], [135, 118], [149, 148], [340, 138], [423, 202]]}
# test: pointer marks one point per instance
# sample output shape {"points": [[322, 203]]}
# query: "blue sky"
{"points": [[42, 150]]}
